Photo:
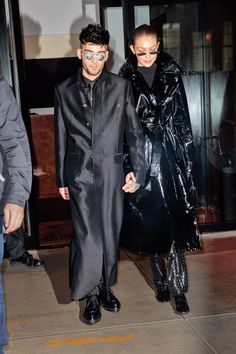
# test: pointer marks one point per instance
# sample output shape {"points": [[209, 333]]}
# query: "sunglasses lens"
{"points": [[145, 53], [88, 56], [100, 57]]}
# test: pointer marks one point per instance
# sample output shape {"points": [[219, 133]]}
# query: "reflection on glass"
{"points": [[200, 36], [141, 15], [202, 42], [204, 49], [171, 39], [227, 47]]}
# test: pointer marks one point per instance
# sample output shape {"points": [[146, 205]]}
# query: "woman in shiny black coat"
{"points": [[159, 219]]}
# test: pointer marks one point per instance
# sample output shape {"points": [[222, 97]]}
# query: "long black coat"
{"points": [[89, 160], [162, 211]]}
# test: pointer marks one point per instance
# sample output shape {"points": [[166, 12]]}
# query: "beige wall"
{"points": [[50, 46], [50, 28]]}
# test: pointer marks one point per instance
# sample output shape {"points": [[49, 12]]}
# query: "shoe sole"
{"points": [[111, 310], [19, 264], [182, 313], [163, 300], [92, 322]]}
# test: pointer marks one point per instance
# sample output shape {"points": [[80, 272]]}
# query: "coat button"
{"points": [[85, 105], [88, 124], [91, 174], [91, 156]]}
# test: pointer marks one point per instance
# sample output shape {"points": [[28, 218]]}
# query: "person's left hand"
{"points": [[130, 185], [13, 217]]}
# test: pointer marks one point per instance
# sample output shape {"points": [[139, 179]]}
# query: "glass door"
{"points": [[200, 36], [220, 85], [180, 29]]}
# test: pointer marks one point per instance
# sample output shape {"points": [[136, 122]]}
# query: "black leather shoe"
{"points": [[162, 293], [181, 304], [28, 261], [92, 312], [108, 300]]}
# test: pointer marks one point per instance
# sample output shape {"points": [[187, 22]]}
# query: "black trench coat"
{"points": [[162, 211], [89, 160]]}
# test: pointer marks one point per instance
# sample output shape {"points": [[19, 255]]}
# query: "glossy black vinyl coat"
{"points": [[162, 211]]}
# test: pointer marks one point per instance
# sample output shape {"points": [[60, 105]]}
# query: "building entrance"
{"points": [[200, 35]]}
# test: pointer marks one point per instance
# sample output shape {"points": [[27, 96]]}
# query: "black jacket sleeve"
{"points": [[60, 141], [135, 138]]}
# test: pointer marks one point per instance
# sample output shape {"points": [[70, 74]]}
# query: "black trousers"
{"points": [[15, 243]]}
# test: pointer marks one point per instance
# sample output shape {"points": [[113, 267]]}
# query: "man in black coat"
{"points": [[93, 110]]}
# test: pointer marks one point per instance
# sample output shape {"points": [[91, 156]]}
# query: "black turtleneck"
{"points": [[148, 73], [88, 82]]}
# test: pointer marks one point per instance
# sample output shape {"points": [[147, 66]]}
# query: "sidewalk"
{"points": [[42, 319]]}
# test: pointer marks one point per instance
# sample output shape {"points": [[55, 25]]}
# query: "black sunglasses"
{"points": [[153, 52]]}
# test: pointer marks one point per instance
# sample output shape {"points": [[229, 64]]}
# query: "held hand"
{"points": [[130, 185], [64, 192], [13, 217], [130, 177]]}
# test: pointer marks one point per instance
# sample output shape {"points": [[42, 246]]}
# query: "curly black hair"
{"points": [[95, 34], [143, 30]]}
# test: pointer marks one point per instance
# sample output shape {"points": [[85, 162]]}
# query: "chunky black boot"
{"points": [[181, 304], [159, 278], [92, 312], [162, 293], [108, 300]]}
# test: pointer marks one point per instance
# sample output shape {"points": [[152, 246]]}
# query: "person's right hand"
{"points": [[64, 192], [130, 185], [13, 217]]}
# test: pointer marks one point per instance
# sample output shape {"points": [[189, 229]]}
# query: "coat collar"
{"points": [[76, 79], [164, 83], [103, 77]]}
